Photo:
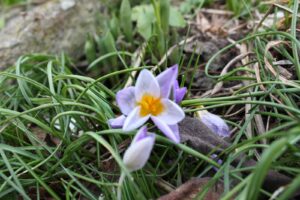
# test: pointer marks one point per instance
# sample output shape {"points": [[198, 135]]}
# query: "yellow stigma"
{"points": [[150, 105]]}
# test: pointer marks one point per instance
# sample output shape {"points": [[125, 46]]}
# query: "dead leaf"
{"points": [[202, 22], [270, 45], [217, 26], [284, 72], [191, 188], [212, 23], [40, 133], [55, 140]]}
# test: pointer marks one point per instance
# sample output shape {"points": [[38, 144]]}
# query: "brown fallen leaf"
{"points": [[203, 23], [213, 23], [191, 189], [44, 137], [284, 72], [55, 140], [40, 133]]}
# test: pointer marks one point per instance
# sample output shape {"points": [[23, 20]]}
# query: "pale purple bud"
{"points": [[215, 123], [178, 92], [139, 150]]}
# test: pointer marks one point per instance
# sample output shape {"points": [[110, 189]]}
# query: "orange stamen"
{"points": [[150, 105]]}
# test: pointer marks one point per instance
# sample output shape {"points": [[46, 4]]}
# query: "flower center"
{"points": [[150, 105]]}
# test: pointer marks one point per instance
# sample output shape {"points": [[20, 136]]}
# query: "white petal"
{"points": [[138, 153], [171, 131], [146, 84], [172, 113], [134, 120], [126, 100]]}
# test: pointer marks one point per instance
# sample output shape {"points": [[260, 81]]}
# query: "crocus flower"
{"points": [[139, 150], [215, 123], [150, 99]]}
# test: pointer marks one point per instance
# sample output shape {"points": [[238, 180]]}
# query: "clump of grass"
{"points": [[55, 138]]}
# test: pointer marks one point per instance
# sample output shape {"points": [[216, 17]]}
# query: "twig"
{"points": [[217, 12]]}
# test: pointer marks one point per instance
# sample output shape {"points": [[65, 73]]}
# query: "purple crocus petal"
{"points": [[175, 130], [126, 100], [139, 150], [166, 80], [117, 122], [146, 84], [215, 123], [179, 94], [170, 131], [172, 113], [214, 156], [141, 134], [134, 120], [176, 85], [219, 161]]}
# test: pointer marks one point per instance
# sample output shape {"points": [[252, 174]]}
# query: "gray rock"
{"points": [[50, 27]]}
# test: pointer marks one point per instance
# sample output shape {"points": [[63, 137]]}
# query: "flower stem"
{"points": [[120, 184]]}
